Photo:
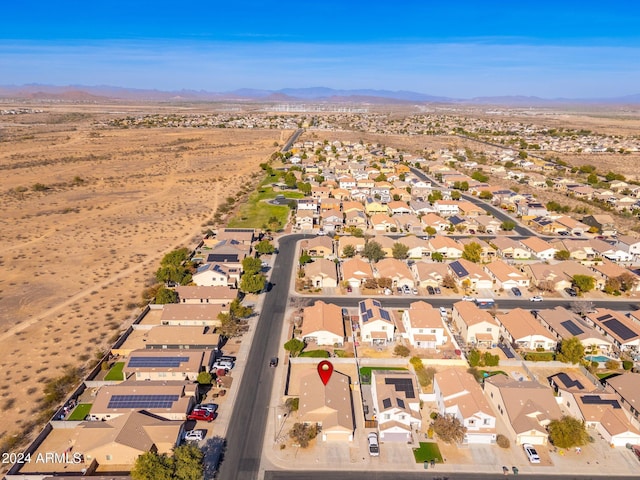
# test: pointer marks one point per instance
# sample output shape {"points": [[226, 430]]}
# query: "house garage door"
{"points": [[394, 437], [336, 436], [532, 439], [480, 438]]}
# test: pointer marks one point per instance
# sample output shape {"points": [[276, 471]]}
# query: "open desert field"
{"points": [[87, 213]]}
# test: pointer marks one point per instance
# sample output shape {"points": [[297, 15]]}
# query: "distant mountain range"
{"points": [[83, 93]]}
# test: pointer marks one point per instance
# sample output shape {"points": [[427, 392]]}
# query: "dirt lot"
{"points": [[87, 213]]}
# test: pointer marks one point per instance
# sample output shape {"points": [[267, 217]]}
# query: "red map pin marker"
{"points": [[325, 369]]}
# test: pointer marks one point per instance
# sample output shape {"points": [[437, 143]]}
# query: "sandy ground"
{"points": [[76, 256]]}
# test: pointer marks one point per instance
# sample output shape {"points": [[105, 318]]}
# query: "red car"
{"points": [[201, 414]]}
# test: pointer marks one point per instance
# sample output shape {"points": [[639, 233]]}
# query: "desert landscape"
{"points": [[88, 211]]}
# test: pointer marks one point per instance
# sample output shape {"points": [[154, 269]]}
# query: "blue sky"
{"points": [[550, 49]]}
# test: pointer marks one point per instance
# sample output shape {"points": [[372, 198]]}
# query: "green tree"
{"points": [[304, 258], [523, 155], [151, 466], [430, 231], [166, 295], [562, 255], [567, 432], [304, 187], [456, 195], [294, 347], [584, 283], [479, 176], [474, 358], [204, 378], [592, 179], [251, 265], [434, 196], [188, 463], [485, 195], [627, 281], [290, 180], [437, 257], [349, 251], [238, 310], [229, 325], [472, 252], [449, 429], [264, 247], [508, 225], [400, 251], [571, 351], [373, 252], [252, 283]]}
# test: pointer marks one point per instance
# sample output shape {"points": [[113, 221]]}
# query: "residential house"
{"points": [[539, 248], [487, 252], [476, 326], [356, 242], [322, 273], [423, 326], [458, 394], [605, 224], [627, 388], [505, 276], [488, 224], [245, 236], [429, 274], [447, 208], [526, 407], [571, 225], [214, 274], [447, 246], [183, 365], [409, 222], [621, 330], [435, 221], [355, 219], [304, 220], [356, 271], [330, 204], [469, 209], [386, 243], [418, 248], [519, 327], [322, 324], [332, 220], [510, 249], [609, 271], [190, 314], [467, 274], [373, 206], [396, 404], [396, 270], [222, 295], [381, 222], [629, 244], [377, 324], [321, 246], [565, 324]]}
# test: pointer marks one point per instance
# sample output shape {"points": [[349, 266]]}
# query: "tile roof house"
{"points": [[396, 270], [539, 248], [467, 274], [423, 326], [510, 249], [565, 324], [475, 325], [429, 274], [377, 324], [627, 389], [447, 246], [355, 271], [526, 407], [190, 314], [215, 274], [621, 330], [322, 324], [320, 246], [194, 294], [322, 273], [396, 405], [505, 276], [459, 394], [522, 329], [329, 406], [344, 240]]}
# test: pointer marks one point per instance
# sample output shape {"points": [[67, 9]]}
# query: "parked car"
{"points": [[516, 291], [531, 453], [406, 290], [211, 407], [201, 414], [193, 435], [349, 289], [468, 298], [273, 362], [223, 363], [430, 290], [414, 291], [537, 298], [571, 292], [443, 312], [374, 447], [437, 290]]}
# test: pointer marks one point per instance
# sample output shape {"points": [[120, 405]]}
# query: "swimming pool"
{"points": [[597, 358]]}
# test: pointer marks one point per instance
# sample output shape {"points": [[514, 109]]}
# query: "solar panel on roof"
{"points": [[142, 401], [597, 400], [605, 317], [363, 307], [402, 385], [568, 381], [620, 329], [572, 328], [458, 269], [376, 303], [169, 362], [401, 403], [222, 257], [386, 403], [384, 314]]}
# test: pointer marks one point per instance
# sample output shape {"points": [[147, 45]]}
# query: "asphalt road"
{"points": [[246, 430]]}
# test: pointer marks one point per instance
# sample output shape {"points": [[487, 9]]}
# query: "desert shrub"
{"points": [[502, 441], [627, 364], [401, 351], [292, 404], [612, 364]]}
